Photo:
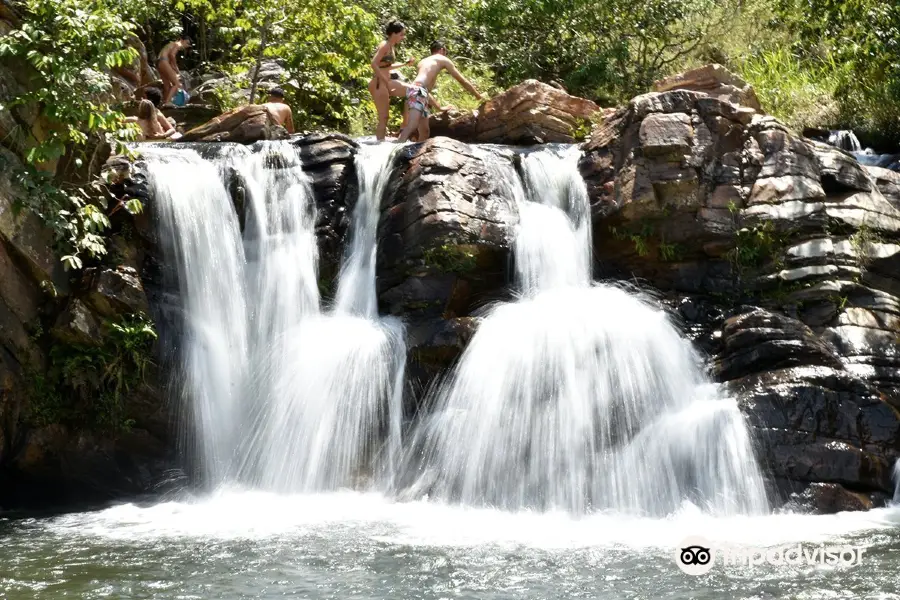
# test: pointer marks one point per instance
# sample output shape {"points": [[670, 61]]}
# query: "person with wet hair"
{"points": [[385, 83], [154, 95]]}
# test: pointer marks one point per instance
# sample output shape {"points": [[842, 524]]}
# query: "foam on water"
{"points": [[242, 514]]}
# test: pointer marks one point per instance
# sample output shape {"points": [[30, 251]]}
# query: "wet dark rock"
{"points": [[761, 341], [56, 466], [328, 162], [443, 216], [439, 342], [78, 325], [830, 498], [820, 424], [113, 293]]}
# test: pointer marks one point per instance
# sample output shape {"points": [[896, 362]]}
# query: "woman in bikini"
{"points": [[168, 67], [384, 83]]}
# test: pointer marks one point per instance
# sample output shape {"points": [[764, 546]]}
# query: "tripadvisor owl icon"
{"points": [[695, 556]]}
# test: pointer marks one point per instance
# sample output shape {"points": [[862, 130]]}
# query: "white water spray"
{"points": [[896, 478], [202, 238], [299, 400], [580, 397], [337, 398], [845, 140]]}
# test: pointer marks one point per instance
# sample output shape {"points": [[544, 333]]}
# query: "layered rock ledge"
{"points": [[791, 248]]}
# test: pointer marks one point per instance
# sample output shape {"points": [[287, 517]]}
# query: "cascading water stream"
{"points": [[336, 399], [285, 397], [896, 478], [579, 397], [201, 236], [845, 140]]}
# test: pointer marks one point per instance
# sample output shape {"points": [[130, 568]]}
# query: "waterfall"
{"points": [[284, 395], [201, 237], [335, 400], [578, 396], [845, 140], [896, 478], [356, 288]]}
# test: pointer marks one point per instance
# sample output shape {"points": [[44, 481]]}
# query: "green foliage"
{"points": [[864, 37], [861, 242], [451, 258], [88, 385], [76, 214], [326, 47], [800, 93], [754, 246], [639, 236], [812, 62], [448, 92], [70, 44], [670, 252]]}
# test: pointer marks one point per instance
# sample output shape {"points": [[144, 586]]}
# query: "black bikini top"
{"points": [[387, 60]]}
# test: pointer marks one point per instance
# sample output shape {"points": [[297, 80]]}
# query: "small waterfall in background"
{"points": [[285, 396], [845, 140], [579, 397]]}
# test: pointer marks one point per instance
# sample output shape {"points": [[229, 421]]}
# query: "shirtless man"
{"points": [[418, 93], [167, 63], [280, 111]]}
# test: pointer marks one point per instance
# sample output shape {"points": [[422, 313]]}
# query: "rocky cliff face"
{"points": [[783, 252], [64, 435]]}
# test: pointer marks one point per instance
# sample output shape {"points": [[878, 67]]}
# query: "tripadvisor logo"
{"points": [[697, 555]]}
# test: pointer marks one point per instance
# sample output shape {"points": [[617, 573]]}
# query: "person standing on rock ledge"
{"points": [[167, 63], [386, 83], [279, 110], [418, 93]]}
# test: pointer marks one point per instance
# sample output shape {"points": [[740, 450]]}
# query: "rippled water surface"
{"points": [[345, 546]]}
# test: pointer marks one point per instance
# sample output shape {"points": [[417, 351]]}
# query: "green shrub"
{"points": [[87, 385]]}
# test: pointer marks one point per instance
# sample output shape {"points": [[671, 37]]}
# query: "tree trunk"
{"points": [[263, 40], [204, 54]]}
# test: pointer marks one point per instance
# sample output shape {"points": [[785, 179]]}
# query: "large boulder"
{"points": [[215, 87], [531, 112], [328, 161], [816, 421], [697, 195], [888, 183], [714, 80], [243, 125], [447, 220]]}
